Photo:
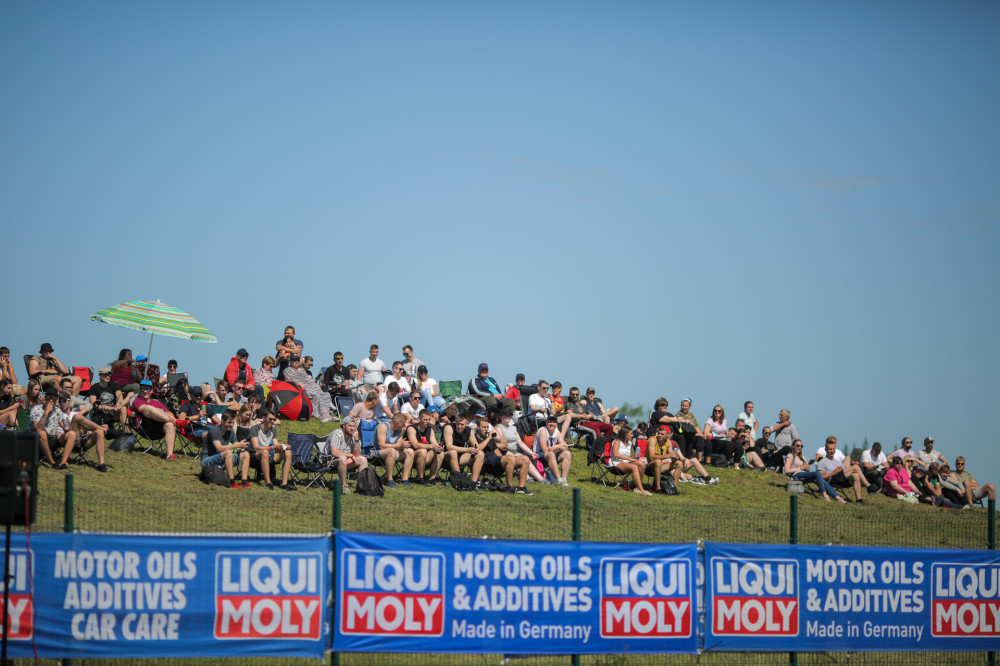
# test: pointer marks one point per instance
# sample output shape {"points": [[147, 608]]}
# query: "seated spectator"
{"points": [[427, 450], [371, 370], [748, 419], [717, 433], [189, 409], [65, 428], [688, 431], [769, 451], [411, 410], [564, 419], [497, 460], [576, 411], [245, 421], [388, 401], [411, 363], [517, 389], [321, 400], [596, 407], [486, 389], [973, 491], [264, 375], [267, 449], [952, 488], [460, 451], [256, 406], [744, 444], [37, 402], [8, 404], [239, 371], [125, 374], [344, 448], [897, 480], [929, 455], [78, 404], [48, 369], [7, 368], [514, 444], [540, 403], [354, 384], [428, 388], [307, 365], [797, 467], [551, 446], [391, 446], [398, 375], [623, 461], [874, 465], [684, 463], [929, 487], [220, 446], [165, 379], [906, 453], [837, 474], [107, 402], [147, 407], [366, 408], [336, 377]]}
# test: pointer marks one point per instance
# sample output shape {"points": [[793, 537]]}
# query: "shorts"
{"points": [[492, 462], [978, 494]]}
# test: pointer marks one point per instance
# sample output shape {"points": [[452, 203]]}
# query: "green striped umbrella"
{"points": [[156, 319]]}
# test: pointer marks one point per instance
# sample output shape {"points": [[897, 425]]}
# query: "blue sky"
{"points": [[791, 203]]}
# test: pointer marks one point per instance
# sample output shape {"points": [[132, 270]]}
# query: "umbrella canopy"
{"points": [[290, 401], [155, 318]]}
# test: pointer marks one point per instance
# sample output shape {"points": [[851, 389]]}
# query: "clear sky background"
{"points": [[794, 203]]}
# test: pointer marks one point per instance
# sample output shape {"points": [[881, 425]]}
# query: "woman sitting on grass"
{"points": [[797, 467]]}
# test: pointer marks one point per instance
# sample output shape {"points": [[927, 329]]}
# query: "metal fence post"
{"points": [[991, 543], [793, 538], [576, 535], [334, 656]]}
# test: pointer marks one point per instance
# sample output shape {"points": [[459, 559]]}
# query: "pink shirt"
{"points": [[900, 476]]}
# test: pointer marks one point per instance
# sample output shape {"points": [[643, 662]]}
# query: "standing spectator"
{"points": [[267, 449], [124, 374], [929, 455], [264, 375], [146, 407], [344, 447], [784, 430], [748, 418], [284, 348], [973, 492], [371, 369], [49, 369], [411, 364]]}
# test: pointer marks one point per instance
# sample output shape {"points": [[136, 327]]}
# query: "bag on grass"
{"points": [[795, 486], [668, 485], [369, 484], [461, 481], [124, 442], [720, 460], [215, 475]]}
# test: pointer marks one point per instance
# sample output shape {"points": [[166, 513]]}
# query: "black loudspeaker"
{"points": [[18, 467]]}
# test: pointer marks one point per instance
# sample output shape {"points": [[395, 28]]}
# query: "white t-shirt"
{"points": [[536, 400], [838, 455], [881, 461], [427, 385], [382, 407], [404, 386], [751, 422], [411, 411], [371, 372]]}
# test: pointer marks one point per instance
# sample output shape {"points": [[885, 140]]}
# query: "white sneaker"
{"points": [[563, 482], [698, 481], [713, 482]]}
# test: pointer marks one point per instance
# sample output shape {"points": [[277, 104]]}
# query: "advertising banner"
{"points": [[420, 594], [850, 599], [96, 595]]}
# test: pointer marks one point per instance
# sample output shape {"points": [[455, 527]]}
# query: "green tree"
{"points": [[635, 413]]}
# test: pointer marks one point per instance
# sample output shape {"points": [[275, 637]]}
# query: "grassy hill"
{"points": [[146, 493]]}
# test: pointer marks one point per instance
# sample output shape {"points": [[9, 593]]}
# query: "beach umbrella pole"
{"points": [[145, 369]]}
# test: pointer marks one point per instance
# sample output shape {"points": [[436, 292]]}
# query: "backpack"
{"points": [[668, 486], [124, 442], [215, 475], [369, 484], [460, 481], [720, 460]]}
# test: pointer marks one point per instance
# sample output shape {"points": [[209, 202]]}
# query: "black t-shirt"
{"points": [[423, 436], [335, 376], [191, 409], [654, 419], [6, 401], [213, 435], [460, 439], [106, 395]]}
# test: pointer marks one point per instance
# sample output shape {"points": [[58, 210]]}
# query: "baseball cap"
{"points": [[140, 358], [621, 418], [145, 382], [104, 370], [195, 390], [242, 352], [483, 366], [46, 347], [590, 389], [663, 426], [519, 377]]}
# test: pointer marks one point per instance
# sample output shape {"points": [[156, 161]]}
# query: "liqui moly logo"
{"points": [[754, 597], [394, 593], [19, 624], [645, 598], [268, 595], [965, 600]]}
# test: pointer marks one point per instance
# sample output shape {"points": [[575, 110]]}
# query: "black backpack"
{"points": [[369, 484], [668, 485], [720, 459], [215, 474], [125, 442], [460, 481]]}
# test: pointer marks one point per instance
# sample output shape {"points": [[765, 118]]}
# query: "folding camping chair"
{"points": [[308, 464], [150, 434], [343, 404], [450, 389], [598, 460], [86, 376]]}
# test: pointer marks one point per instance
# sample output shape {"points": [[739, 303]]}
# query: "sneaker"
{"points": [[698, 481], [171, 457], [509, 490], [60, 466], [292, 485], [244, 484], [346, 490], [480, 485], [710, 481], [421, 481], [389, 484], [563, 482], [102, 468], [287, 486], [859, 501], [235, 484], [521, 490], [407, 484], [269, 486], [546, 480]]}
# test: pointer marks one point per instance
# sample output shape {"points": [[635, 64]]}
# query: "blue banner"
{"points": [[95, 595], [851, 599], [420, 594]]}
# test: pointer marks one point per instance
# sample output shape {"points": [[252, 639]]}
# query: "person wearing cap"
{"points": [[59, 426], [336, 376], [410, 362], [428, 388], [48, 369], [321, 400], [486, 389], [551, 446], [929, 455], [596, 407], [239, 370], [147, 407], [518, 389], [929, 487], [371, 370], [78, 404], [897, 480]]}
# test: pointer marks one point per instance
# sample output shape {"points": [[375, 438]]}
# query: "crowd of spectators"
{"points": [[519, 433]]}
